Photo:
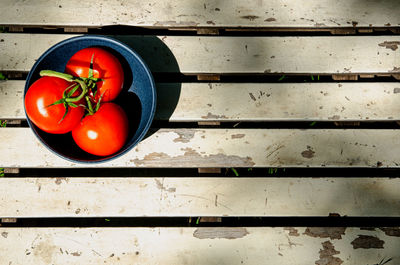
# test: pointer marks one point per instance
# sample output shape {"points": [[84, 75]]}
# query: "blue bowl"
{"points": [[138, 97]]}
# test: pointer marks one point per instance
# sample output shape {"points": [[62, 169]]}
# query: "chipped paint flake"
{"points": [[191, 158], [326, 232], [220, 232], [292, 231], [367, 242], [392, 45], [237, 136], [391, 231], [184, 136], [326, 255], [213, 116]]}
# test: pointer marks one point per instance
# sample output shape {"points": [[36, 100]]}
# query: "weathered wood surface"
{"points": [[254, 101], [226, 148], [230, 55], [202, 245], [128, 197], [178, 14]]}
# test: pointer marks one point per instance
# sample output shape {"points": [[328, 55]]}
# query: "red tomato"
{"points": [[43, 93], [105, 66], [103, 133]]}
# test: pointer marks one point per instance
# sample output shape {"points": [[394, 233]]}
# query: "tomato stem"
{"points": [[52, 73]]}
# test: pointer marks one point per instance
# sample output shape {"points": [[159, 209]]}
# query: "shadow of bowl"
{"points": [[138, 97]]}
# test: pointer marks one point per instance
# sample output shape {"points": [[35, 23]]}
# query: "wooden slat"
{"points": [[254, 101], [203, 245], [226, 148], [129, 197], [196, 55], [178, 14]]}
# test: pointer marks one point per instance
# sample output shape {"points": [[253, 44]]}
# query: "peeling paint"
{"points": [[250, 17], [392, 45], [326, 255], [220, 232], [191, 158], [213, 116], [309, 153], [391, 231], [292, 231], [59, 180], [184, 136], [237, 136], [174, 23], [4, 234], [326, 232], [395, 70], [396, 90], [162, 187], [367, 242]]}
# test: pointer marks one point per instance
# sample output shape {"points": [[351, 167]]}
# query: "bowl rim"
{"points": [[141, 62]]}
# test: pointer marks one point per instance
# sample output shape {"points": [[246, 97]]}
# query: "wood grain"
{"points": [[163, 197], [231, 55], [188, 14], [220, 148], [202, 245]]}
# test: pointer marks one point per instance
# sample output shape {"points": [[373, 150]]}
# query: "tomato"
{"points": [[104, 132], [105, 66], [40, 95]]}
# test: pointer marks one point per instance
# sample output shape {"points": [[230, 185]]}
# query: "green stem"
{"points": [[89, 104], [52, 73], [84, 91]]}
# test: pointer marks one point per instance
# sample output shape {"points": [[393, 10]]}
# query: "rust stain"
{"points": [[213, 116], [326, 232], [174, 23], [250, 17], [292, 231], [309, 153], [4, 234], [396, 90], [391, 231], [220, 232], [184, 136], [270, 19], [367, 242], [392, 45], [326, 255], [59, 180], [252, 96], [354, 23], [237, 136], [76, 254], [162, 187]]}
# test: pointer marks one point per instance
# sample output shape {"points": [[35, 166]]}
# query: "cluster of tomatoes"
{"points": [[80, 101]]}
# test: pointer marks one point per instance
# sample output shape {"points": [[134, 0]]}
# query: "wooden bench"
{"points": [[267, 95]]}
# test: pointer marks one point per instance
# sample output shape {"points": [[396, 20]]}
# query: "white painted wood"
{"points": [[254, 101], [193, 55], [204, 245], [226, 148], [128, 197], [178, 14]]}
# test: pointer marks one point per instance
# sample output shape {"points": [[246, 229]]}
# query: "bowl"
{"points": [[138, 97]]}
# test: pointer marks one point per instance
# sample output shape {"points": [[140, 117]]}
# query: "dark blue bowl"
{"points": [[138, 97]]}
